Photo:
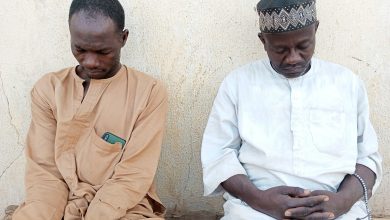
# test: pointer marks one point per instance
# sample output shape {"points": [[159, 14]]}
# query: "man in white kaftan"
{"points": [[305, 127]]}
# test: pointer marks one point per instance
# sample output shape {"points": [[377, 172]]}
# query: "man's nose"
{"points": [[293, 57], [90, 61]]}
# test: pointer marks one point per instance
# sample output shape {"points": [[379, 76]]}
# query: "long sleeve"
{"points": [[368, 154], [221, 142], [134, 174], [46, 191]]}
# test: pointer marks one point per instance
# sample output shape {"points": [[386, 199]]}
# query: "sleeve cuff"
{"points": [[373, 162], [220, 170]]}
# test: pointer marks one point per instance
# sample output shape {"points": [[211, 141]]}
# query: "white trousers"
{"points": [[235, 209]]}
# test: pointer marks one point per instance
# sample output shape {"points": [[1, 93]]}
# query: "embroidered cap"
{"points": [[278, 16]]}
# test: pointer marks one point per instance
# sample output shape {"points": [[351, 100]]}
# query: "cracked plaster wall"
{"points": [[191, 46]]}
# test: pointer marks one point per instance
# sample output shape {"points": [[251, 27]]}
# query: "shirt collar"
{"points": [[120, 72], [306, 75]]}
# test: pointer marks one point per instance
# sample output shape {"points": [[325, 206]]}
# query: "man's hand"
{"points": [[331, 209], [276, 201], [349, 192]]}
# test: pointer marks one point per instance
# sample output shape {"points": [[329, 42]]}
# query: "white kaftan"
{"points": [[306, 132]]}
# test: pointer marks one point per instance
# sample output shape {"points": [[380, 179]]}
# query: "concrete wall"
{"points": [[191, 46]]}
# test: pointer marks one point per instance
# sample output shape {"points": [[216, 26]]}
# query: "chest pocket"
{"points": [[327, 129], [96, 161]]}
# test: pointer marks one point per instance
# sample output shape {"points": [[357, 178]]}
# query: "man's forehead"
{"points": [[82, 22], [86, 18], [278, 16]]}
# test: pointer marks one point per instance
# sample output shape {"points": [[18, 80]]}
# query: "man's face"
{"points": [[290, 52], [96, 43]]}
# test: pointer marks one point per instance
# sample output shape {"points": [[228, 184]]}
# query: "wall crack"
{"points": [[13, 125]]}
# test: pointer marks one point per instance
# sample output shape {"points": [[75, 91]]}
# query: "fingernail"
{"points": [[306, 191], [331, 216], [287, 213], [326, 198]]}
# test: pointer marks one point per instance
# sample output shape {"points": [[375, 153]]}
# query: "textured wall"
{"points": [[191, 46]]}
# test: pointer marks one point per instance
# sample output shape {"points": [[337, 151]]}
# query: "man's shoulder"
{"points": [[45, 87], [141, 76], [247, 71], [50, 78], [55, 75], [333, 74], [332, 69], [145, 81]]}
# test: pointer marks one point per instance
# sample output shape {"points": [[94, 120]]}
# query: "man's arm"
{"points": [[46, 191], [134, 175], [221, 140]]}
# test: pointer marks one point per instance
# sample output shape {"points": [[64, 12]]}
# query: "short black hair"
{"points": [[109, 8]]}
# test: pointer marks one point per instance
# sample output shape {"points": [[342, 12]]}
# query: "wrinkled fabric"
{"points": [[306, 132], [71, 172]]}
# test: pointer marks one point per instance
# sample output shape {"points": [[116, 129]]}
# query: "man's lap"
{"points": [[235, 209], [143, 210]]}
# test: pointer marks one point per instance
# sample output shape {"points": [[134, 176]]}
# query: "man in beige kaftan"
{"points": [[72, 172]]}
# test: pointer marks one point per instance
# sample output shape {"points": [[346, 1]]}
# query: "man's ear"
{"points": [[261, 37], [125, 35], [317, 24]]}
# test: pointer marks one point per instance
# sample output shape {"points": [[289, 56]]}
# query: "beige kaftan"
{"points": [[71, 172]]}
